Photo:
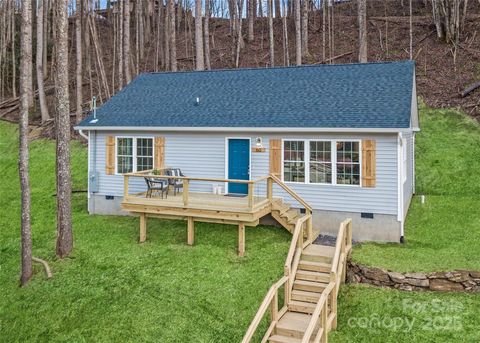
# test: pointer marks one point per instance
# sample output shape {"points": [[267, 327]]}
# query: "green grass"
{"points": [[369, 315], [112, 289], [444, 233]]}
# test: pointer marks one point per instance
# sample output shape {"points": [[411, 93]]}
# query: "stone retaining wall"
{"points": [[455, 281]]}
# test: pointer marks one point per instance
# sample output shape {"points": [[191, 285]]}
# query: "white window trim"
{"points": [[334, 160], [134, 151]]}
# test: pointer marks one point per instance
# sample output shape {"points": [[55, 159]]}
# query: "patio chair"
{"points": [[176, 184], [156, 185]]}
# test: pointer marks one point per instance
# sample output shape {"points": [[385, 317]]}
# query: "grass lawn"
{"points": [[444, 233], [115, 290]]}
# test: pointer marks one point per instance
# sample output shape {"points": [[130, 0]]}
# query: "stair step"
{"points": [[283, 339], [290, 214], [293, 324], [318, 253], [315, 266], [312, 276], [301, 306], [306, 296], [309, 286]]}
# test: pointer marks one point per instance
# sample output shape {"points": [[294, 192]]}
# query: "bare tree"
{"points": [[286, 56], [200, 63], [206, 34], [305, 27], [64, 187], [25, 61], [277, 9], [298, 34], [120, 46], [126, 41], [78, 58], [411, 30], [39, 63], [270, 33], [173, 39], [251, 17], [362, 30]]}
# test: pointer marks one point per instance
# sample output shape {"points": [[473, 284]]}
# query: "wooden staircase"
{"points": [[312, 277]]}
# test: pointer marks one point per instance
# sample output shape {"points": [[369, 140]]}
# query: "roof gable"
{"points": [[373, 95]]}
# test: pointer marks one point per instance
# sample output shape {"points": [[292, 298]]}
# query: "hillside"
{"points": [[440, 76]]}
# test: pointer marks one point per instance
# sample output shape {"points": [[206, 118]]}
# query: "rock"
{"points": [[419, 276], [396, 277], [376, 274], [437, 275], [460, 276], [445, 285], [404, 287], [469, 284], [418, 282], [475, 275]]}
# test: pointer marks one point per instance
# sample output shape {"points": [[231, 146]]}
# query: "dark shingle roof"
{"points": [[373, 95]]}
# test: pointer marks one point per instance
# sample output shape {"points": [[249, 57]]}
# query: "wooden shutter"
{"points": [[369, 161], [159, 158], [110, 156], [276, 157]]}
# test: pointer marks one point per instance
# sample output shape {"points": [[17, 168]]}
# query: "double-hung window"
{"points": [[334, 162], [134, 154], [294, 161], [348, 163]]}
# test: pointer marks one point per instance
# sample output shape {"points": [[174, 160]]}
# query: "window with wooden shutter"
{"points": [[110, 155], [159, 160], [368, 163], [275, 157]]}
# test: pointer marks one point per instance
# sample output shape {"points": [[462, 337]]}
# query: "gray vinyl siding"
{"points": [[203, 155]]}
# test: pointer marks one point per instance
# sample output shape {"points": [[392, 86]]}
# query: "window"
{"points": [[320, 162], [134, 154], [144, 154], [331, 162], [124, 155], [294, 161], [348, 163]]}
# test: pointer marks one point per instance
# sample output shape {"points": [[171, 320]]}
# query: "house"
{"points": [[341, 137]]}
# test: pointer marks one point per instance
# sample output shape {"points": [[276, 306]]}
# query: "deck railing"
{"points": [[251, 201]]}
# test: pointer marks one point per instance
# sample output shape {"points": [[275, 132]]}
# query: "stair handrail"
{"points": [[297, 241], [291, 192], [344, 241], [320, 309], [267, 301]]}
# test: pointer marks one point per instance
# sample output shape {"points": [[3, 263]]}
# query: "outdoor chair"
{"points": [[176, 184], [156, 185]]}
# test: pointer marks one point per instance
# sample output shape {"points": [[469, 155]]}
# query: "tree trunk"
{"points": [[200, 63], [78, 59], [25, 61], [251, 11], [277, 9], [39, 63], [14, 61], [298, 34], [286, 55], [64, 187], [239, 33], [126, 41], [362, 31], [173, 39], [206, 35], [120, 47], [324, 23], [305, 28], [270, 33]]}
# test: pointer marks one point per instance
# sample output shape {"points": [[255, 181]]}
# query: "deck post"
{"points": [[270, 189], [125, 187], [250, 196], [190, 231], [143, 227], [310, 226], [185, 192], [241, 239]]}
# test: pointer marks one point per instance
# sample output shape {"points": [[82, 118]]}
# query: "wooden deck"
{"points": [[213, 208]]}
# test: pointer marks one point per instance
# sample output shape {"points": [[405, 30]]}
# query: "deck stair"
{"points": [[312, 277]]}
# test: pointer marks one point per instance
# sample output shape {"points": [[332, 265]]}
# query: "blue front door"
{"points": [[238, 164]]}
